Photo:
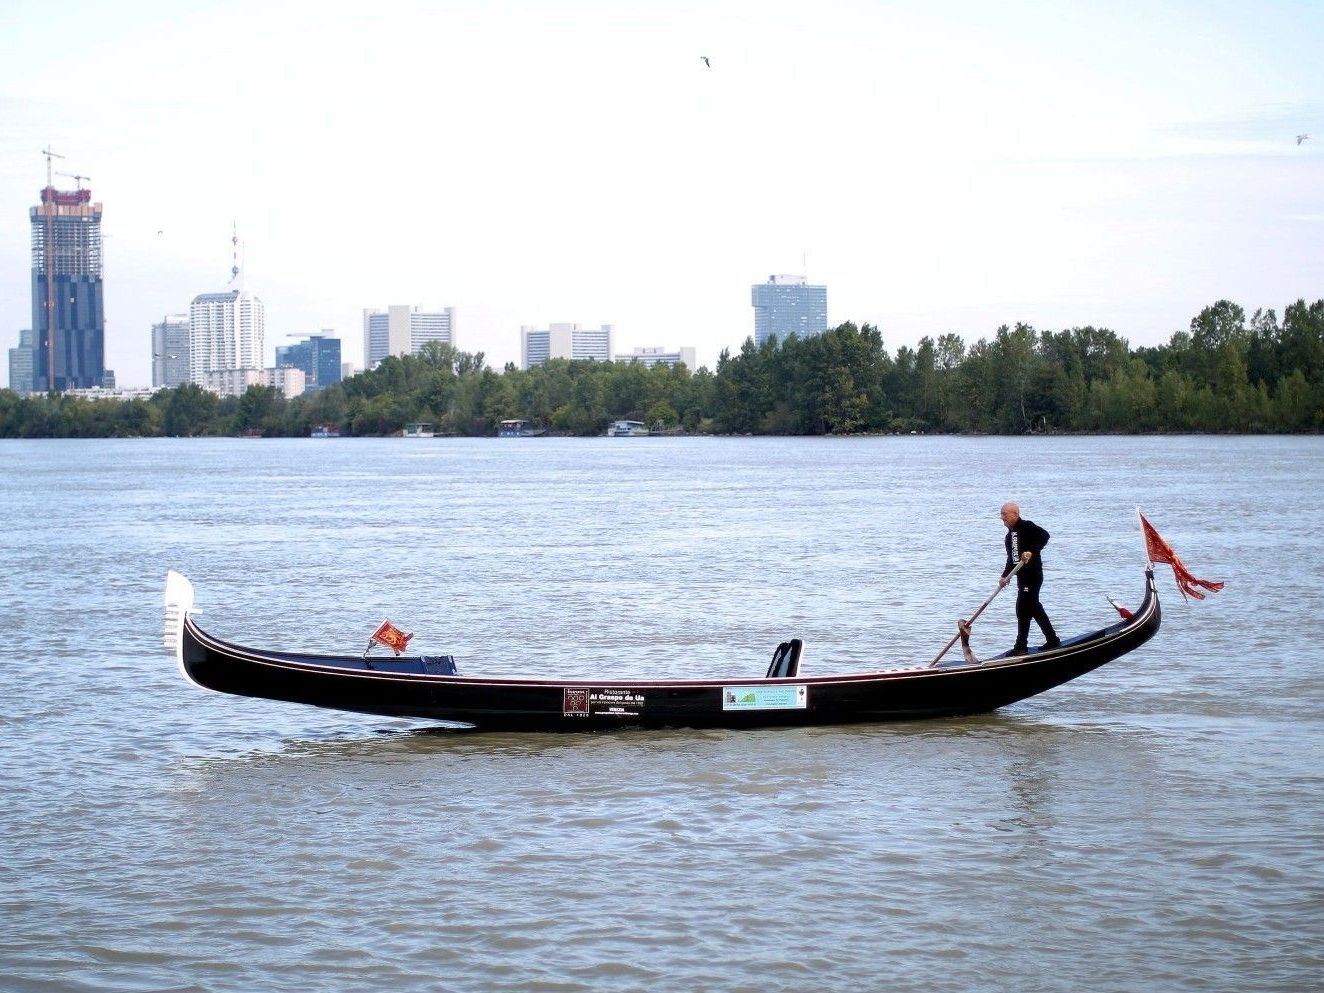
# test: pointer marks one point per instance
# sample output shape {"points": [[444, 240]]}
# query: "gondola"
{"points": [[429, 688]]}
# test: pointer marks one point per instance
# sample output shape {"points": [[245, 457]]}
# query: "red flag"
{"points": [[392, 637], [1160, 551], [1126, 614]]}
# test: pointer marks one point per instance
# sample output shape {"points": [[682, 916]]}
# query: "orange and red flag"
{"points": [[1160, 551], [392, 637]]}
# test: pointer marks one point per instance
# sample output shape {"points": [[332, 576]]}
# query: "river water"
{"points": [[1156, 825]]}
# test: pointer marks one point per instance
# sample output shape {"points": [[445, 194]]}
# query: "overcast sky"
{"points": [[938, 166]]}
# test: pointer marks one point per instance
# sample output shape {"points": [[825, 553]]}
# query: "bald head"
{"points": [[1011, 513]]}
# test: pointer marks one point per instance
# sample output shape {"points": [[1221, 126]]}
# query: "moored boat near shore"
{"points": [[518, 429]]}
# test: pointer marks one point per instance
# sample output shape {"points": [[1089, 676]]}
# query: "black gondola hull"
{"points": [[404, 688]]}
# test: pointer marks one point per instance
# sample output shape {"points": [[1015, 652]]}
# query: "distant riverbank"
{"points": [[1228, 375]]}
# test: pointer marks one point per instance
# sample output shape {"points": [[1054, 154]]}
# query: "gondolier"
{"points": [[1025, 543]]}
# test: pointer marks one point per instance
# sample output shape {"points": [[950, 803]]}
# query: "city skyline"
{"points": [[945, 170]]}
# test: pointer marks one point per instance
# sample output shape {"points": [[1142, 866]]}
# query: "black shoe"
{"points": [[1017, 650], [1049, 645]]}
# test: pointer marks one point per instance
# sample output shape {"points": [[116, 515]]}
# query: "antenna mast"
{"points": [[234, 251]]}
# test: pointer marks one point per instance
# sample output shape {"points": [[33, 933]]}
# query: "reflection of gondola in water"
{"points": [[428, 688]]}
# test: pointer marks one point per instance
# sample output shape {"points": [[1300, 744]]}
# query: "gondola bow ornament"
{"points": [[1158, 550]]}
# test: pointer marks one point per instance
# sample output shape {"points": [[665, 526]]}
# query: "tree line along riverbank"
{"points": [[1226, 374]]}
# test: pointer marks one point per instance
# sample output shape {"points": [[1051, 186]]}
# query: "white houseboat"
{"points": [[518, 429]]}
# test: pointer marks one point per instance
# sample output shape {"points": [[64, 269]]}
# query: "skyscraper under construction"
{"points": [[68, 317]]}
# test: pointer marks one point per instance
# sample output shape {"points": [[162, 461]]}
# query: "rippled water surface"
{"points": [[1156, 825]]}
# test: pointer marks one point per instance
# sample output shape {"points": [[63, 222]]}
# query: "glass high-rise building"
{"points": [[318, 357], [20, 364], [787, 305], [170, 351], [68, 315]]}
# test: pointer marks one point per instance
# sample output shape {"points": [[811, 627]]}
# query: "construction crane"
{"points": [[48, 262], [75, 177], [49, 155]]}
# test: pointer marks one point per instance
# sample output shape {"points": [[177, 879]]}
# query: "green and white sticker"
{"points": [[765, 697]]}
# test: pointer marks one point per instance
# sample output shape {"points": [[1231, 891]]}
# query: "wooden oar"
{"points": [[947, 647]]}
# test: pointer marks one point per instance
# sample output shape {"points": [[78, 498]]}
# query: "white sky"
{"points": [[938, 166]]}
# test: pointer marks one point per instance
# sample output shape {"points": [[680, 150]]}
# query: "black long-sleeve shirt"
{"points": [[1025, 536]]}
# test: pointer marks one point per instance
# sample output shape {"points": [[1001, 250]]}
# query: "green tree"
{"points": [[259, 410], [1015, 364], [1295, 408], [744, 386], [189, 410], [1302, 341]]}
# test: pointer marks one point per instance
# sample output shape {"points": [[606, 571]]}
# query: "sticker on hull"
{"points": [[601, 703], [765, 697]]}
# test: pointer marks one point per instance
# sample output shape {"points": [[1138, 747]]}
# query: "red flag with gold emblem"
{"points": [[1160, 551], [392, 637]]}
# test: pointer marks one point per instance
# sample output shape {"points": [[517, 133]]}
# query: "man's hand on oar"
{"points": [[963, 626], [1001, 583]]}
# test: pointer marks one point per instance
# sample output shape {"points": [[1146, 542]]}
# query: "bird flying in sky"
{"points": [[1299, 138], [710, 65]]}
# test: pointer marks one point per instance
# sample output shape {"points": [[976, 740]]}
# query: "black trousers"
{"points": [[1028, 608]]}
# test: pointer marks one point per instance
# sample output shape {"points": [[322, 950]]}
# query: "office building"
{"points": [[20, 364], [113, 393], [170, 351], [564, 341], [288, 382], [318, 356], [404, 330], [68, 317], [662, 356], [787, 305]]}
